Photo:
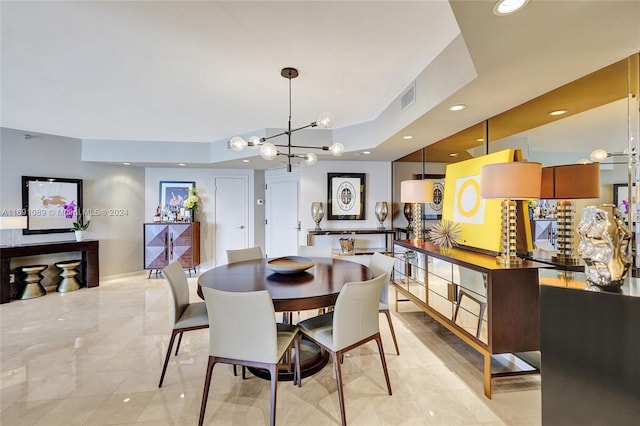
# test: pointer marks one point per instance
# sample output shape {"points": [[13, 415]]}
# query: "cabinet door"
{"points": [[156, 254], [471, 301], [181, 244], [441, 292]]}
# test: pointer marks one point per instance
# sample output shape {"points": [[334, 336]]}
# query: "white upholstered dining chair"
{"points": [[186, 316], [381, 264], [241, 255], [244, 331], [353, 322]]}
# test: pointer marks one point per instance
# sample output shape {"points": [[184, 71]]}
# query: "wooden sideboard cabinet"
{"points": [[165, 242], [492, 308]]}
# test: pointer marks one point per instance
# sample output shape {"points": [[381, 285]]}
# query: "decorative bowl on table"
{"points": [[290, 264]]}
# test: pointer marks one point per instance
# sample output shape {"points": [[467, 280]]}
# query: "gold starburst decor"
{"points": [[446, 234]]}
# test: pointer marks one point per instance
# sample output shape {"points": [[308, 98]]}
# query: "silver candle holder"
{"points": [[381, 210], [317, 213]]}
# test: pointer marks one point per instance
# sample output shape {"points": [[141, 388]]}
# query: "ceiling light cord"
{"points": [[269, 151]]}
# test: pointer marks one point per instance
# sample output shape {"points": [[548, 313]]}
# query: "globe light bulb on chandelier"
{"points": [[269, 151]]}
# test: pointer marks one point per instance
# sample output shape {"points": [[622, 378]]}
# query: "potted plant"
{"points": [[191, 203], [79, 226]]}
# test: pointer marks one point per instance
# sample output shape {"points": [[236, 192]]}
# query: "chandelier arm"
{"points": [[266, 138], [314, 124], [323, 148]]}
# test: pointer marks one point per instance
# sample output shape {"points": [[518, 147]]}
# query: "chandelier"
{"points": [[269, 151]]}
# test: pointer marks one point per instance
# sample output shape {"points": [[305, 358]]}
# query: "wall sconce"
{"points": [[565, 183], [517, 180], [14, 223], [416, 192]]}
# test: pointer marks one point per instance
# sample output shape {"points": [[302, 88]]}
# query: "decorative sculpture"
{"points": [[604, 246], [446, 234]]}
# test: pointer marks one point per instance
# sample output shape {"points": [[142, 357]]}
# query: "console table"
{"points": [[90, 271], [492, 308], [389, 236]]}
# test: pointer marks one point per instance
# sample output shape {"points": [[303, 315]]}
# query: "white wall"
{"points": [[313, 187], [107, 187], [204, 179]]}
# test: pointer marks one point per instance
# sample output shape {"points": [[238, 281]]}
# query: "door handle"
{"points": [[299, 227], [241, 227]]}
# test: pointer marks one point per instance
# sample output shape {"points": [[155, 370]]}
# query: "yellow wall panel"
{"points": [[479, 219]]}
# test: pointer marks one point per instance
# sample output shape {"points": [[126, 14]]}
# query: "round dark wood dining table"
{"points": [[317, 287]]}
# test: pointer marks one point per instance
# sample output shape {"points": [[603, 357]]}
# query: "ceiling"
{"points": [[206, 71]]}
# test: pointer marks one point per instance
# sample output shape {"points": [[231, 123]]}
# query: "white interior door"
{"points": [[231, 215], [282, 215]]}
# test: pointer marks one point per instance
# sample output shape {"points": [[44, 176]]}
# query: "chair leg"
{"points": [[384, 362], [205, 391], [298, 376], [393, 332], [273, 370], [244, 371], [336, 365], [166, 358], [179, 341]]}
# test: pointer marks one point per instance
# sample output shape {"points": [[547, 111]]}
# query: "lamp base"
{"points": [[566, 260], [417, 221], [508, 260]]}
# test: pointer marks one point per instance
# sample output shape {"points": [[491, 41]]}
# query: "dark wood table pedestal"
{"points": [[315, 288]]}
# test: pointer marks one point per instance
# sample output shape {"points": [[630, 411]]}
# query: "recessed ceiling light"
{"points": [[507, 7], [453, 154], [366, 152], [181, 164], [458, 107], [559, 112], [480, 140], [246, 161], [127, 164], [407, 137]]}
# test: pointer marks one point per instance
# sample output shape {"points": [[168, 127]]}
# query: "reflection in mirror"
{"points": [[569, 141], [602, 113]]}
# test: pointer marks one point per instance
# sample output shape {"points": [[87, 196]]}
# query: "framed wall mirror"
{"points": [[601, 112]]}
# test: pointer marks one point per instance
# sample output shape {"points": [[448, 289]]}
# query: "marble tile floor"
{"points": [[94, 357]]}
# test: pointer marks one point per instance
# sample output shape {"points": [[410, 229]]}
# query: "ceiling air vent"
{"points": [[408, 97]]}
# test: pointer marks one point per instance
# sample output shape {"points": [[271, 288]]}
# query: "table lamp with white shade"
{"points": [[517, 180], [13, 223], [416, 192]]}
